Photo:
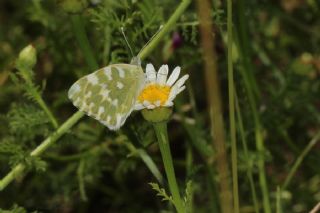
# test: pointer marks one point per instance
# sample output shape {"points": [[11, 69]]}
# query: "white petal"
{"points": [[162, 74], [146, 103], [151, 73], [181, 89], [173, 93], [157, 103], [181, 81], [174, 76], [168, 103], [151, 106], [138, 106]]}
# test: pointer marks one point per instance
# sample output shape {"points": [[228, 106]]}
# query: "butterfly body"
{"points": [[108, 94]]}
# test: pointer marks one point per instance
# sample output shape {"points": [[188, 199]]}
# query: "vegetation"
{"points": [[243, 136]]}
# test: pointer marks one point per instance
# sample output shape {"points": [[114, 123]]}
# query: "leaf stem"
{"points": [[45, 108], [162, 135]]}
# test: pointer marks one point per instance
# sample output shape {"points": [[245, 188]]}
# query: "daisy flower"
{"points": [[159, 90]]}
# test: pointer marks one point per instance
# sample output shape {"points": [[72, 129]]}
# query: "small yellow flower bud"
{"points": [[27, 57], [158, 114]]}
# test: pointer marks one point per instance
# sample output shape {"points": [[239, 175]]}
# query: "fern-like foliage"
{"points": [[161, 192], [27, 121], [25, 124], [15, 153], [24, 80], [9, 147]]}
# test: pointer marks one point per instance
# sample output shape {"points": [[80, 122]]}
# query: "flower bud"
{"points": [[158, 114], [27, 57]]}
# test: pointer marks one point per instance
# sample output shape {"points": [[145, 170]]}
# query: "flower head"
{"points": [[160, 91]]}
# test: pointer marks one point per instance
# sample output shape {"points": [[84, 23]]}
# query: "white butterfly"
{"points": [[109, 94]]}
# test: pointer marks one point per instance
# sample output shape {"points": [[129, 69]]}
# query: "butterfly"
{"points": [[110, 93]]}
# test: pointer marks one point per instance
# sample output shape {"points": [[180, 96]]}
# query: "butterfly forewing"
{"points": [[108, 94]]}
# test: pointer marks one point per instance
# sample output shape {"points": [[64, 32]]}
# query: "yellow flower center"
{"points": [[154, 93]]}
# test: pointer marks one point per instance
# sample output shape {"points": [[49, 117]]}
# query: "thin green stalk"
{"points": [[96, 150], [231, 88], [80, 174], [86, 49], [18, 169], [246, 154], [81, 36], [253, 93], [245, 48], [45, 108], [189, 170], [278, 201], [299, 160], [162, 136]]}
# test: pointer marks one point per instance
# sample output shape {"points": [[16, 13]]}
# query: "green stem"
{"points": [[246, 155], [278, 201], [81, 36], [253, 93], [80, 174], [299, 160], [245, 48], [232, 113], [47, 111], [96, 150], [162, 135], [165, 29], [18, 169]]}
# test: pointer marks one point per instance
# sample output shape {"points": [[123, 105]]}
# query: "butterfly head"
{"points": [[136, 61]]}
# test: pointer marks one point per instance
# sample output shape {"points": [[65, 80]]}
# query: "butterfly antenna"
{"points": [[151, 39], [125, 38]]}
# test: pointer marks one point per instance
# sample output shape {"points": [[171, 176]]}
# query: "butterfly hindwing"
{"points": [[108, 94]]}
